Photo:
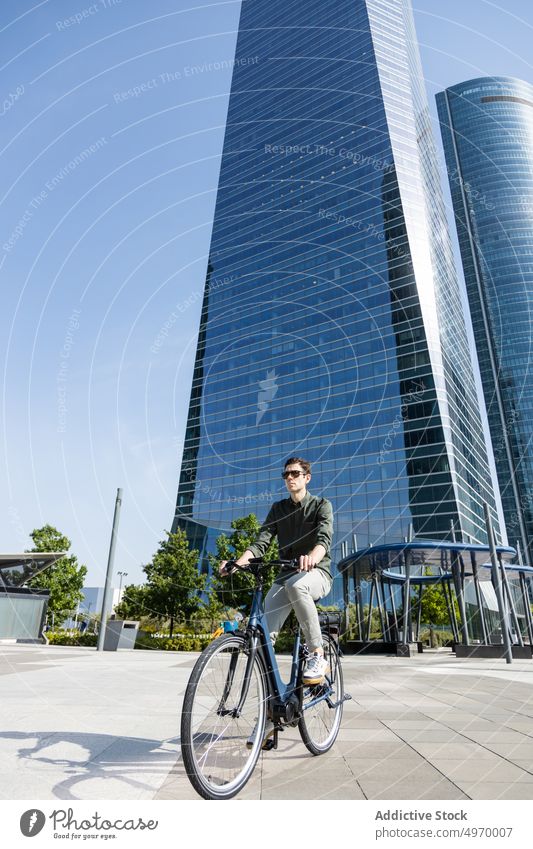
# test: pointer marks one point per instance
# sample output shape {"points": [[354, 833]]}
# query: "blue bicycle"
{"points": [[235, 687]]}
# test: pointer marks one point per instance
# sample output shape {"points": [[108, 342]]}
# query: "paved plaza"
{"points": [[77, 724]]}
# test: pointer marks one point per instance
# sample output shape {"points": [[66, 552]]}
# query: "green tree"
{"points": [[211, 612], [375, 623], [64, 578], [133, 604], [434, 608], [234, 590], [173, 583]]}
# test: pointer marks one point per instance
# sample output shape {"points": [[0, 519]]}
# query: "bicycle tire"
{"points": [[319, 724], [214, 747]]}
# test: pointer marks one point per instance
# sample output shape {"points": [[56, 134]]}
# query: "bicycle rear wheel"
{"points": [[322, 705], [214, 746]]}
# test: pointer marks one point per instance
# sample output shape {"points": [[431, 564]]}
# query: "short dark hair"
{"points": [[305, 464]]}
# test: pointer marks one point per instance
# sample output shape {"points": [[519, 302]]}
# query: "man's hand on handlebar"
{"points": [[307, 562], [243, 560]]}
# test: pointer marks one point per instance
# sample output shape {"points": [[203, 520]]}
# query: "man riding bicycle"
{"points": [[303, 524], [236, 699]]}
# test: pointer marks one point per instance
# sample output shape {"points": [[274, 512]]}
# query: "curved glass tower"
{"points": [[487, 128], [332, 325]]}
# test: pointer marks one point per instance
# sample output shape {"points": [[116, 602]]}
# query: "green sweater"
{"points": [[299, 526]]}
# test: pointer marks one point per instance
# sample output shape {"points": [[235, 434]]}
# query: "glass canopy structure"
{"points": [[22, 608], [384, 588]]}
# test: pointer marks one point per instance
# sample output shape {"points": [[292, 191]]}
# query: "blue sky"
{"points": [[111, 130]]}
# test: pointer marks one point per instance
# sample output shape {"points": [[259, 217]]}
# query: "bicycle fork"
{"points": [[235, 712]]}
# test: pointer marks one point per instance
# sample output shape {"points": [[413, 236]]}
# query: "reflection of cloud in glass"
{"points": [[268, 389]]}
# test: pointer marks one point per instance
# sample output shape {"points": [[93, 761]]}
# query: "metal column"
{"points": [[459, 592], [345, 590], [382, 611], [527, 608], [497, 586], [449, 604], [370, 606], [394, 615], [360, 611], [406, 599], [507, 591], [419, 612], [479, 599]]}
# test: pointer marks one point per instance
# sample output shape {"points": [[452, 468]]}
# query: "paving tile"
{"points": [[483, 770], [356, 722], [452, 751], [364, 735], [346, 791], [440, 789], [348, 735], [497, 735], [299, 790], [376, 750], [496, 790], [526, 764], [408, 769], [512, 749], [437, 735]]}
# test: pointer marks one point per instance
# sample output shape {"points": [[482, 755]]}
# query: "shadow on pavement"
{"points": [[107, 757]]}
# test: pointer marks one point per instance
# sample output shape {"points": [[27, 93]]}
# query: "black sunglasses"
{"points": [[292, 473]]}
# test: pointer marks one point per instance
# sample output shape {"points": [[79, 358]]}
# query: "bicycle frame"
{"points": [[257, 626], [285, 699], [236, 688]]}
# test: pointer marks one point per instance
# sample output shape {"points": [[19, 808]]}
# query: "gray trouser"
{"points": [[299, 592]]}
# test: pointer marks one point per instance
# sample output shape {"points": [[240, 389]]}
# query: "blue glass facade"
{"points": [[331, 324], [487, 128]]}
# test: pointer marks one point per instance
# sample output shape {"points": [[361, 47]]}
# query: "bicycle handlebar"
{"points": [[285, 565]]}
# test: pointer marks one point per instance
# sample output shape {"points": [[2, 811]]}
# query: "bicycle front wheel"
{"points": [[322, 705], [220, 750]]}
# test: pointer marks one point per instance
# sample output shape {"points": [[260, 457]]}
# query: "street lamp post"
{"points": [[122, 575]]}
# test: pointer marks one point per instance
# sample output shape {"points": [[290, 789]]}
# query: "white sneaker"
{"points": [[315, 669], [269, 732]]}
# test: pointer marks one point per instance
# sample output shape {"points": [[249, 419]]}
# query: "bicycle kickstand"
{"points": [[273, 743]]}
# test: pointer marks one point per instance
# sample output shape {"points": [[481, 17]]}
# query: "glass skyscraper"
{"points": [[487, 128], [332, 325]]}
